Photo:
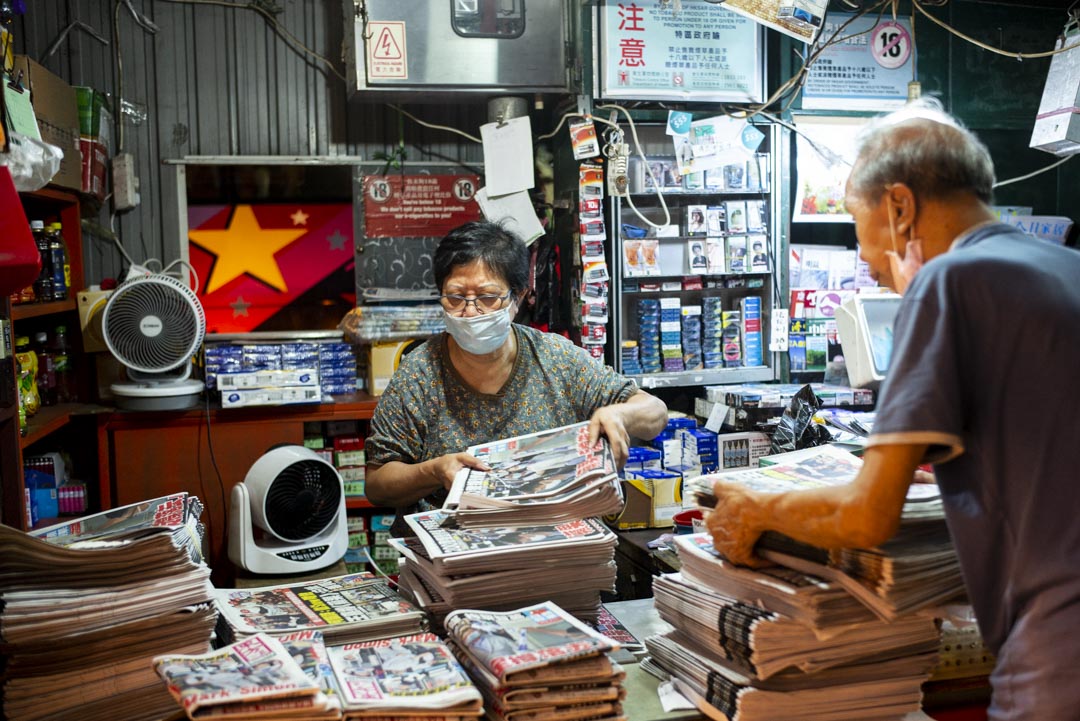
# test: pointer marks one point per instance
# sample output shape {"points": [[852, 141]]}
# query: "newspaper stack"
{"points": [[355, 607], [403, 678], [538, 663], [733, 650], [256, 678], [545, 477], [501, 568], [917, 568], [86, 603]]}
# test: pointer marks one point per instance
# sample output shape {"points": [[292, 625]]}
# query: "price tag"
{"points": [[778, 337]]}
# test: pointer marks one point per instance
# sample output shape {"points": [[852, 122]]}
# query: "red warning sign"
{"points": [[387, 57]]}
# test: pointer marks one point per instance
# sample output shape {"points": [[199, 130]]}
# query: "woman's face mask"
{"points": [[902, 269], [480, 334]]}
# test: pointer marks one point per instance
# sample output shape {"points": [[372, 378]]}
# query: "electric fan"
{"points": [[153, 324], [297, 501]]}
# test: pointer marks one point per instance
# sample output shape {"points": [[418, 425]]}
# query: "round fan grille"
{"points": [[153, 323], [302, 500]]}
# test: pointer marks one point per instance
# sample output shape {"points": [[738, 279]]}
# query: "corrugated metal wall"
{"points": [[222, 81]]}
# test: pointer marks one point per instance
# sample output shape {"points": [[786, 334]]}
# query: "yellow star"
{"points": [[244, 247], [299, 217]]}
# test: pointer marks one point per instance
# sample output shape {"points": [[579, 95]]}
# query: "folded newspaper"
{"points": [[253, 678], [354, 607], [553, 475]]}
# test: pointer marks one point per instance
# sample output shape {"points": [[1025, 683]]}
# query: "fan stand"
{"points": [[270, 555], [158, 391]]}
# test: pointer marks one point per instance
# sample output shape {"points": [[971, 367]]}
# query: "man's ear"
{"points": [[904, 203]]}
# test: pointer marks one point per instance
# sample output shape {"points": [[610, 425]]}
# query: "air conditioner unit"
{"points": [[456, 47]]}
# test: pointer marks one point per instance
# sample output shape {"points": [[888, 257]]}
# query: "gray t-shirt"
{"points": [[427, 411], [984, 369]]}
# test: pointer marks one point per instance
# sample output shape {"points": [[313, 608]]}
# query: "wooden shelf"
{"points": [[358, 502], [33, 310], [52, 418], [54, 195]]}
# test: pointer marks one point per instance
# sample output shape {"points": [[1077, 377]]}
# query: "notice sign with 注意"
{"points": [[403, 206], [387, 58]]}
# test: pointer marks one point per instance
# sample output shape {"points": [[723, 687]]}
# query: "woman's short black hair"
{"points": [[502, 252]]}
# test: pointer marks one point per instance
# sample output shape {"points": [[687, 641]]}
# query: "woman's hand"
{"points": [[610, 422], [442, 470]]}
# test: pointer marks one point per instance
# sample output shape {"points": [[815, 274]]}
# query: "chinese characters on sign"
{"points": [[869, 68], [704, 52]]}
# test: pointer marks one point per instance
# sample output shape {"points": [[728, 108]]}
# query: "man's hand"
{"points": [[736, 523], [609, 422], [443, 469]]}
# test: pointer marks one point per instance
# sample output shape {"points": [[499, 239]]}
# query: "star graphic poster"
{"points": [[273, 266]]}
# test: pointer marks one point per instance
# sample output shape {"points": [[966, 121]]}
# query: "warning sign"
{"points": [[403, 206], [387, 58]]}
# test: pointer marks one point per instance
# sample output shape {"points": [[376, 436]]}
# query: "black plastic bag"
{"points": [[797, 429]]}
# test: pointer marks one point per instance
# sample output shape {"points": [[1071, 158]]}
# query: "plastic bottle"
{"points": [[65, 373], [58, 261], [43, 286], [18, 397], [46, 376], [28, 391]]}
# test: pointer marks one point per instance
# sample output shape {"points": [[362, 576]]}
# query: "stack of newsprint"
{"points": [[259, 677], [532, 515], [346, 609], [545, 477], [916, 569], [538, 664], [501, 568], [86, 603], [775, 643]]}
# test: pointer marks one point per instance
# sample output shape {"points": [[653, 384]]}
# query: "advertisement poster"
{"points": [[703, 52], [405, 206], [825, 148], [868, 70]]}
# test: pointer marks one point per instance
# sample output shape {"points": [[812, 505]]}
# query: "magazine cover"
{"points": [[166, 511], [308, 649], [354, 599], [531, 637], [537, 465], [256, 669], [407, 672], [442, 537]]}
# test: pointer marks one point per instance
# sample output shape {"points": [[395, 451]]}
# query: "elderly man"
{"points": [[982, 384]]}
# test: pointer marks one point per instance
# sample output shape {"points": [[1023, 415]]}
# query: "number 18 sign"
{"points": [[868, 69]]}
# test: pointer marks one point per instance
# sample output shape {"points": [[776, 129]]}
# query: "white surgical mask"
{"points": [[903, 268], [480, 334]]}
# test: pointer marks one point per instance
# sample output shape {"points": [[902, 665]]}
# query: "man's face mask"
{"points": [[903, 269]]}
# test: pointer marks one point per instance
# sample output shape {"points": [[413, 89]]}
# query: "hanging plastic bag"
{"points": [[797, 429], [32, 163]]}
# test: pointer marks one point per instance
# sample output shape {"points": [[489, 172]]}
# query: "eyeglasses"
{"points": [[486, 303]]}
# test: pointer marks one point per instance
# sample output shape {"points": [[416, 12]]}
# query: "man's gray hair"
{"points": [[925, 148]]}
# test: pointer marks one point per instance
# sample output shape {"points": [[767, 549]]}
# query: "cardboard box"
{"points": [[665, 491], [95, 168], [383, 361], [637, 510], [58, 118]]}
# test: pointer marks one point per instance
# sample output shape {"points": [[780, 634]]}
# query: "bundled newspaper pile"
{"points": [[500, 568], [538, 663], [546, 477], [734, 650], [355, 607], [916, 569], [260, 677], [403, 678], [86, 603]]}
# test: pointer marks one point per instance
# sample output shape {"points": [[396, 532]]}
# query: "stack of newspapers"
{"points": [[522, 531], [408, 677], [916, 569], [356, 607], [761, 648], [500, 568], [259, 677], [546, 477], [538, 663], [86, 603]]}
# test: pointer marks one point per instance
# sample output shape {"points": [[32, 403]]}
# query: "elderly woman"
{"points": [[487, 378]]}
